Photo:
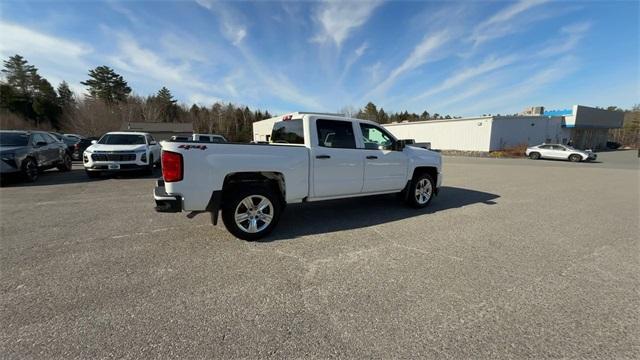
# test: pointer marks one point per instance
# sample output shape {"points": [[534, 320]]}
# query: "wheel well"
{"points": [[273, 179], [30, 156], [432, 171]]}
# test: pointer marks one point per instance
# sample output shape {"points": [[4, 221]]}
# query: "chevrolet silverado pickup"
{"points": [[310, 157]]}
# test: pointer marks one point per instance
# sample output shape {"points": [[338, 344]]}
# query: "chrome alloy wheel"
{"points": [[254, 213], [423, 191]]}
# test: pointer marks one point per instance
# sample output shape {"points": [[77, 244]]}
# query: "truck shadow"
{"points": [[348, 214]]}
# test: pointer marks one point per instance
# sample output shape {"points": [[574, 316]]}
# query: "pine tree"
{"points": [[167, 104], [45, 100], [105, 84], [19, 74], [383, 118], [66, 97]]}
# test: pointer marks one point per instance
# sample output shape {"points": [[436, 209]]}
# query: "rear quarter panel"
{"points": [[205, 170]]}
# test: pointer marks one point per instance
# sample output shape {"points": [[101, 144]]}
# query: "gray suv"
{"points": [[28, 152]]}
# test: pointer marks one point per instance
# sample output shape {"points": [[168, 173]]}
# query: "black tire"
{"points": [[235, 201], [66, 163], [534, 155], [418, 200], [575, 158], [93, 174], [30, 171], [149, 168]]}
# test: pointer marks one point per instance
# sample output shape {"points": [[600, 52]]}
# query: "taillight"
{"points": [[77, 146], [171, 166]]}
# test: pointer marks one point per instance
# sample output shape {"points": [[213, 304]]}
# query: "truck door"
{"points": [[385, 169], [338, 166]]}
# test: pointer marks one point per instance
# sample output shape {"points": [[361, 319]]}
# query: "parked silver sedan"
{"points": [[559, 152]]}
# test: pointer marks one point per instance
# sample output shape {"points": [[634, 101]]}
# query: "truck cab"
{"points": [[310, 157]]}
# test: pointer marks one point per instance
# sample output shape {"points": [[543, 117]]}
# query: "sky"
{"points": [[462, 58]]}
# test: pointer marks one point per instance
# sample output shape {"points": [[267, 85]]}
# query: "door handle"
{"points": [[323, 157], [372, 157]]}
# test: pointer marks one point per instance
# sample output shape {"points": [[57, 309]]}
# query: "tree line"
{"points": [[28, 100], [371, 112]]}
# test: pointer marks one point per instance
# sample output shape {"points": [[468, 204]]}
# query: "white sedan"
{"points": [[559, 152]]}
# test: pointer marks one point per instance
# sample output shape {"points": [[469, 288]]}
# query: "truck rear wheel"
{"points": [[251, 212]]}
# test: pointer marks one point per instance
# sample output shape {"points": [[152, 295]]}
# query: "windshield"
{"points": [[122, 139], [13, 139]]}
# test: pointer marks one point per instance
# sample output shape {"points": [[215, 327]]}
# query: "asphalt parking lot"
{"points": [[515, 258]]}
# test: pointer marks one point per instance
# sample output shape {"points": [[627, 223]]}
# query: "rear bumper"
{"points": [[165, 202]]}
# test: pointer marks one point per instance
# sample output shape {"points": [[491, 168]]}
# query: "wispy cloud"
{"points": [[469, 91], [19, 38], [500, 24], [148, 65], [353, 58], [277, 84], [57, 58], [374, 72], [572, 33], [461, 76], [231, 22], [520, 94], [337, 19], [118, 7], [419, 56], [272, 83]]}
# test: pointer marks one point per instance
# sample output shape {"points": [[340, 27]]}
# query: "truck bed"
{"points": [[204, 162]]}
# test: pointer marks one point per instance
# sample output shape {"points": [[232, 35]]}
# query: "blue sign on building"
{"points": [[562, 112]]}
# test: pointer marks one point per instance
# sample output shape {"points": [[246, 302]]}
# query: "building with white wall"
{"points": [[488, 133], [583, 126]]}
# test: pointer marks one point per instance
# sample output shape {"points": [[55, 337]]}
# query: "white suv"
{"points": [[121, 151], [560, 152]]}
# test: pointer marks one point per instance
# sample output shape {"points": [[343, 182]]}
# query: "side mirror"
{"points": [[93, 142], [153, 143], [401, 144], [41, 143]]}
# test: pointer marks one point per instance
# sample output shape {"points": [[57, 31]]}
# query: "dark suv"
{"points": [[28, 152]]}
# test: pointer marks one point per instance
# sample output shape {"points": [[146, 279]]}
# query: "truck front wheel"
{"points": [[251, 212], [421, 191]]}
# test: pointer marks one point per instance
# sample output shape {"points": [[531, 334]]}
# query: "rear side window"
{"points": [[288, 132], [52, 140], [36, 138], [336, 134]]}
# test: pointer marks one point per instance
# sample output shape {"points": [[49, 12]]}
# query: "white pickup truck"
{"points": [[311, 157]]}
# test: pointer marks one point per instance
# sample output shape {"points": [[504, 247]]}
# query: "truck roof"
{"points": [[127, 133], [299, 114]]}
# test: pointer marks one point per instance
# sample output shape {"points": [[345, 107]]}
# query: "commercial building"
{"points": [[583, 126], [589, 127], [482, 134]]}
